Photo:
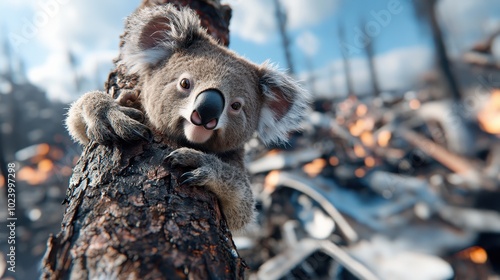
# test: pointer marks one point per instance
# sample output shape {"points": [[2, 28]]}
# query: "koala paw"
{"points": [[186, 157], [202, 173], [126, 124], [97, 116]]}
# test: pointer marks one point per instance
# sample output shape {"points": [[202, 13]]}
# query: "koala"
{"points": [[206, 100]]}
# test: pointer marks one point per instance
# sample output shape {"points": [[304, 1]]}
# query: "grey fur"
{"points": [[273, 104]]}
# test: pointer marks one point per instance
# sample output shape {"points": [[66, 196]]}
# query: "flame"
{"points": [[383, 138], [414, 104], [359, 151], [361, 110], [489, 116], [369, 161], [315, 167], [2, 181], [334, 161], [476, 254], [271, 181]]}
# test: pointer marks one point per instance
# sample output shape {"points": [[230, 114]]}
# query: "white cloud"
{"points": [[469, 21], [253, 20], [89, 29], [397, 69], [256, 21], [308, 43], [307, 12], [21, 3], [86, 28], [400, 68], [84, 25], [57, 76]]}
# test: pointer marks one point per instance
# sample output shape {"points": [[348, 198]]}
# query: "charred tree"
{"points": [[127, 215], [128, 218], [281, 18], [427, 10], [370, 55], [345, 64]]}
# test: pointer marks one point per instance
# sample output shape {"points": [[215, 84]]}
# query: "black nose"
{"points": [[208, 107]]}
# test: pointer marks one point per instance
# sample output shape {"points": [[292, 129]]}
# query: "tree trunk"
{"points": [[127, 218]]}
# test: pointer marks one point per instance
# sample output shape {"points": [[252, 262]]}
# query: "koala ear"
{"points": [[285, 105], [154, 33]]}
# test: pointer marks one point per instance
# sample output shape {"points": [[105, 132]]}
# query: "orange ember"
{"points": [[359, 151], [476, 254], [334, 161], [43, 149], [489, 116], [273, 152], [367, 139], [361, 110], [356, 128], [369, 161], [315, 167], [271, 181], [32, 176], [414, 104], [383, 138], [360, 172], [38, 175], [45, 165]]}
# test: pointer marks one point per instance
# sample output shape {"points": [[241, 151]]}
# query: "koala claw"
{"points": [[133, 113], [191, 178], [187, 178], [126, 124], [184, 157]]}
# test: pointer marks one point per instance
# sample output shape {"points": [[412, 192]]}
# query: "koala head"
{"points": [[201, 94]]}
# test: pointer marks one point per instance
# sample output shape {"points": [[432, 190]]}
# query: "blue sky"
{"points": [[43, 31]]}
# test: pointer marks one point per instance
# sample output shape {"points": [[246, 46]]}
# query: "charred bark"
{"points": [[127, 218]]}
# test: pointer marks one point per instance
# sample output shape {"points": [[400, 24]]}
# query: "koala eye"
{"points": [[185, 83], [236, 106]]}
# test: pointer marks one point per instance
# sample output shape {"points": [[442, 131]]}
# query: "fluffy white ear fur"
{"points": [[152, 34], [286, 104]]}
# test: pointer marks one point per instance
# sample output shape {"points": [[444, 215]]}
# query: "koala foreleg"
{"points": [[97, 116], [229, 183]]}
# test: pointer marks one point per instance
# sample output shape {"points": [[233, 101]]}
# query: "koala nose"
{"points": [[208, 107]]}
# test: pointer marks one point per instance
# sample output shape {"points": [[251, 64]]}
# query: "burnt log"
{"points": [[128, 218]]}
